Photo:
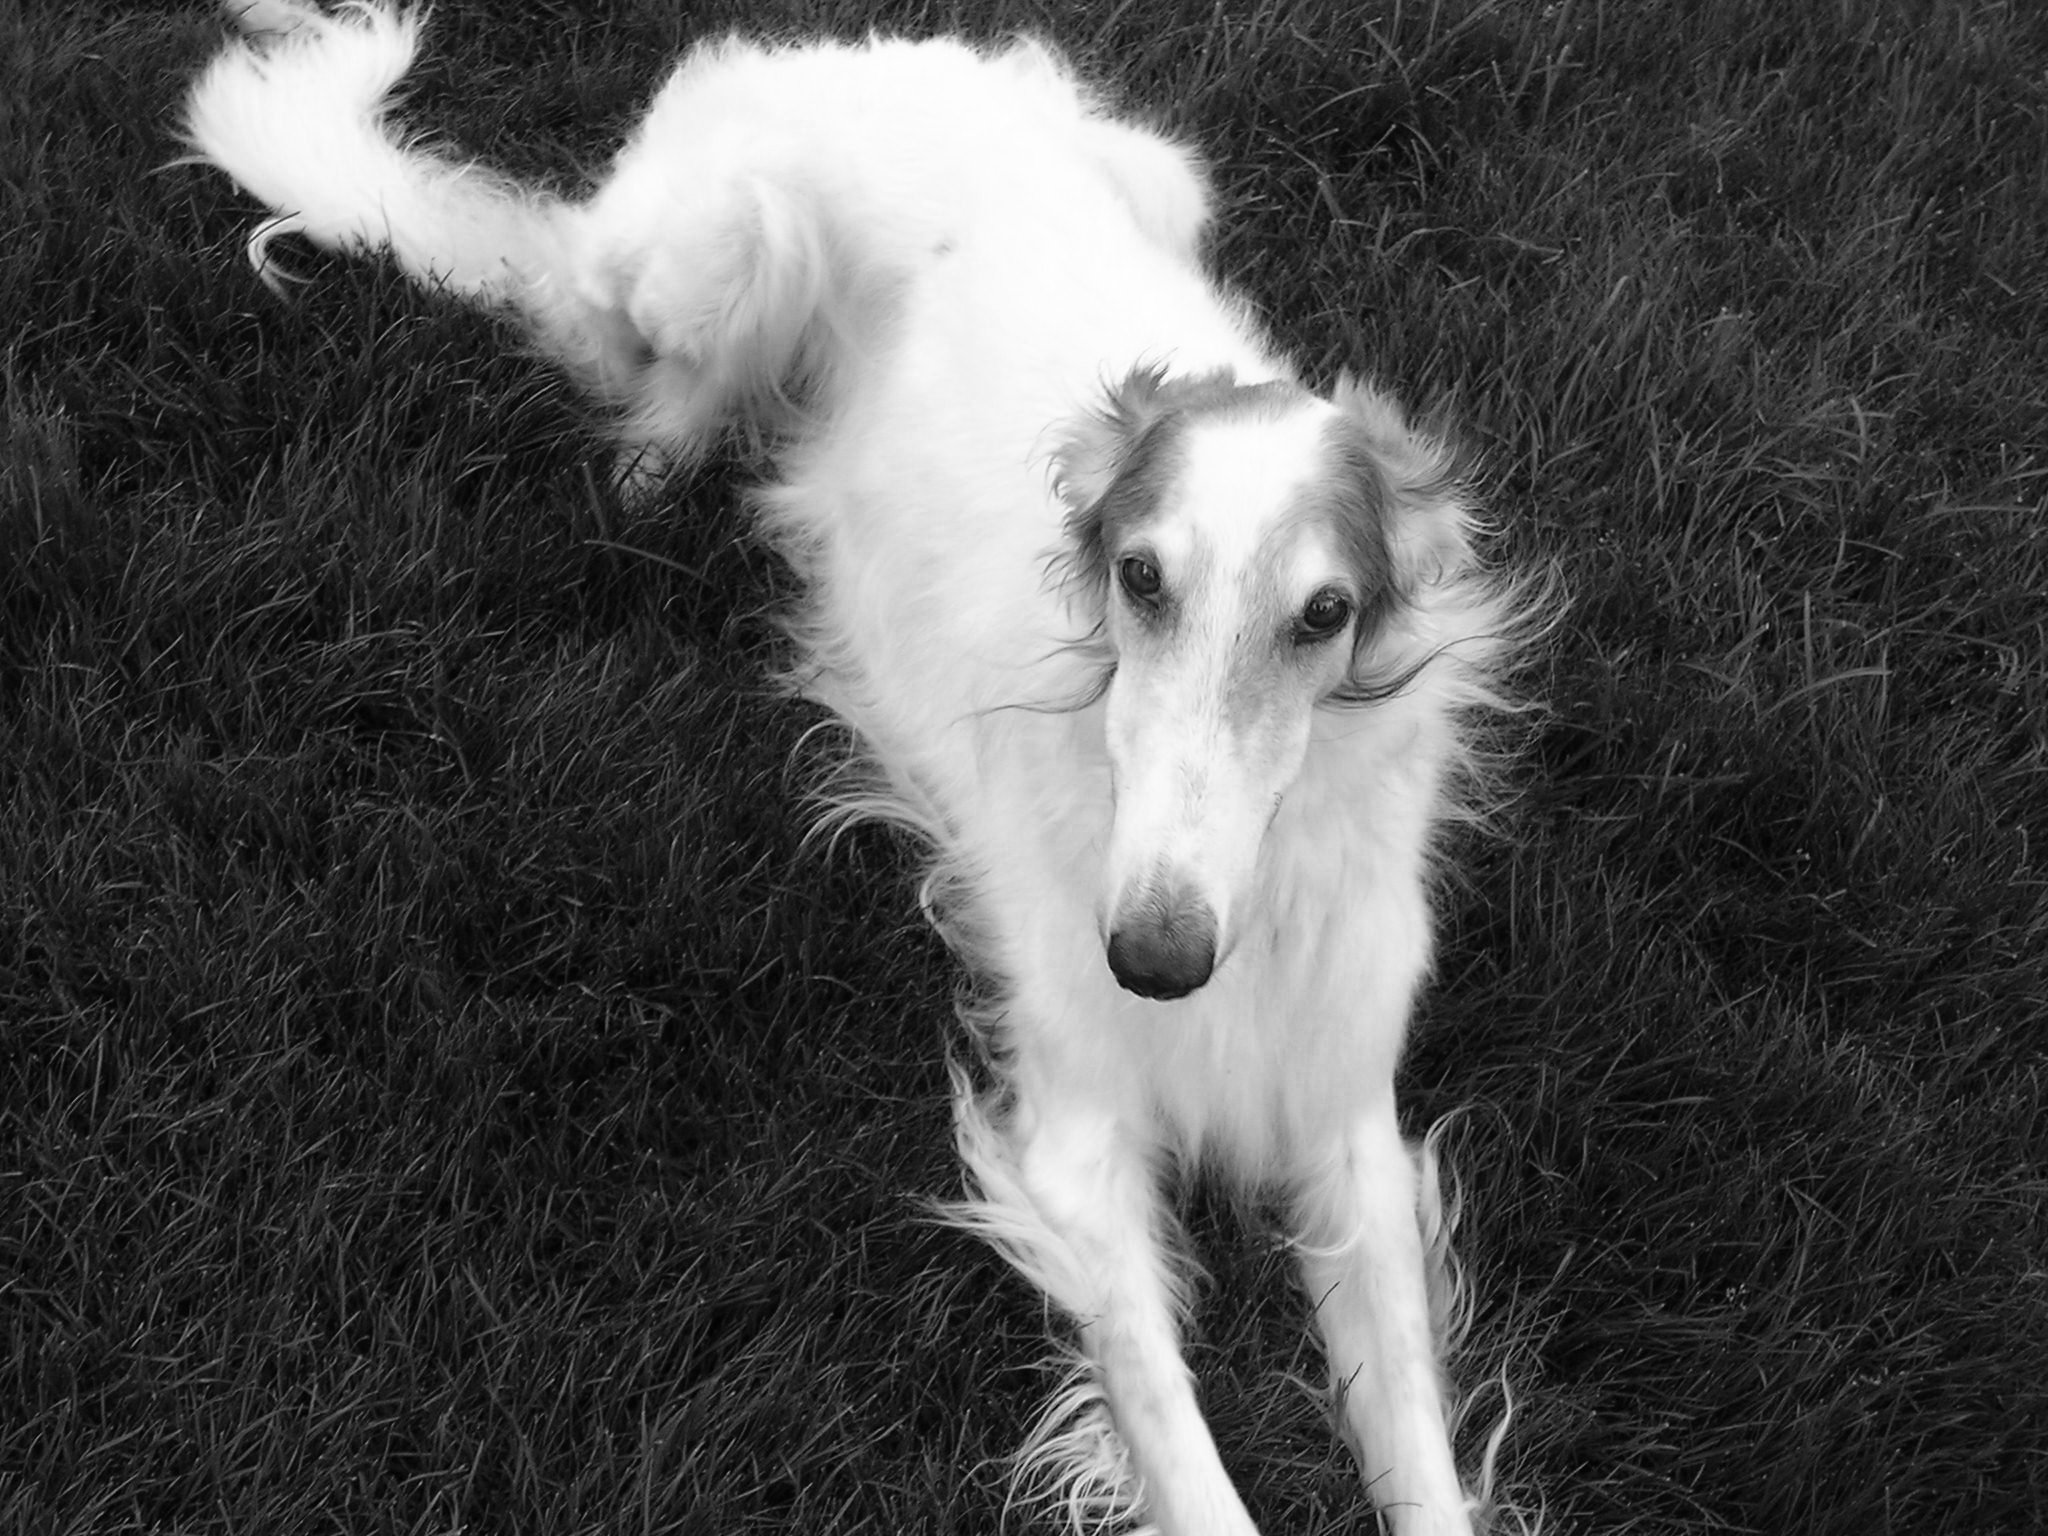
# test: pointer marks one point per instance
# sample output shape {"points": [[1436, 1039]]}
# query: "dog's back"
{"points": [[779, 208]]}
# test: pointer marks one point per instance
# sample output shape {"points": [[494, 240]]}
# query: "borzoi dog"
{"points": [[1172, 662]]}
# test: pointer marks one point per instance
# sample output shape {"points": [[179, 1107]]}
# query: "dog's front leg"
{"points": [[1071, 1197], [1364, 1266]]}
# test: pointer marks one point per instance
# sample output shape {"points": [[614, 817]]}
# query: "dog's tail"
{"points": [[727, 314], [295, 112]]}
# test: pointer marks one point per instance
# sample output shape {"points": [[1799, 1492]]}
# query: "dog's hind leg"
{"points": [[1364, 1263], [1070, 1196]]}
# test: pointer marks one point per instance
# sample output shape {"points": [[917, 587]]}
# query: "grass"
{"points": [[441, 1089]]}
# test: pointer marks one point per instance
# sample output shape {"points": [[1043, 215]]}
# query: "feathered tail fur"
{"points": [[296, 112]]}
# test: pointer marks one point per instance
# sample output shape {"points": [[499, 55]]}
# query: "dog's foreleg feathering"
{"points": [[1364, 1265], [1072, 1199]]}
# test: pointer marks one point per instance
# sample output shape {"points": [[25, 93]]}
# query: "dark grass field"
{"points": [[441, 1089]]}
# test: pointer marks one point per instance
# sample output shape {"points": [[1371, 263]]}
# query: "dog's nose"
{"points": [[1165, 948]]}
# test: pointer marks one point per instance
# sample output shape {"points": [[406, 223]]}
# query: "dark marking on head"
{"points": [[1396, 497], [1116, 463], [1355, 504]]}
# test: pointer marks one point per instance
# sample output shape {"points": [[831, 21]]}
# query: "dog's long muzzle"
{"points": [[1162, 944]]}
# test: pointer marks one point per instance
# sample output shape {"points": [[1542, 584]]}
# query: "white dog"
{"points": [[1171, 661]]}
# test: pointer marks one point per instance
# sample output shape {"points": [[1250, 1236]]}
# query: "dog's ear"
{"points": [[1404, 499], [1418, 483], [1096, 444], [1099, 466]]}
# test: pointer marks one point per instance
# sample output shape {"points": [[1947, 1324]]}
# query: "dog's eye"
{"points": [[1324, 614], [1140, 578]]}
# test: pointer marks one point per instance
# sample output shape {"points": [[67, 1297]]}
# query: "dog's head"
{"points": [[1250, 549]]}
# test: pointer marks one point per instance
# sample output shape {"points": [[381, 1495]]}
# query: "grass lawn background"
{"points": [[441, 1089]]}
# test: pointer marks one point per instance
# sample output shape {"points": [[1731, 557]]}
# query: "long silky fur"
{"points": [[709, 286]]}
